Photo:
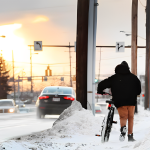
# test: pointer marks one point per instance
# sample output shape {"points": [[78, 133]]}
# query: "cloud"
{"points": [[40, 19]]}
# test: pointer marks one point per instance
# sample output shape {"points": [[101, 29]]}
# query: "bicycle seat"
{"points": [[110, 101]]}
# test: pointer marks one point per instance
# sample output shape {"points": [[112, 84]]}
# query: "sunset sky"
{"points": [[55, 22]]}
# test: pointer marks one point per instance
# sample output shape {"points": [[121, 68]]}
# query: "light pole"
{"points": [[31, 67], [23, 73]]}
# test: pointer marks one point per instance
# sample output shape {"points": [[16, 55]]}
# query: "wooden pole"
{"points": [[13, 76], [134, 37], [81, 52], [147, 69], [134, 40]]}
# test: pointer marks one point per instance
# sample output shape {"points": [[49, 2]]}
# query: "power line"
{"points": [[41, 63], [118, 57], [141, 3]]}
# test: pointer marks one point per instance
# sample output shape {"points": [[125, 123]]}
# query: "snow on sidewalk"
{"points": [[75, 129]]}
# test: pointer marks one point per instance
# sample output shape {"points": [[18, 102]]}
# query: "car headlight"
{"points": [[11, 110]]}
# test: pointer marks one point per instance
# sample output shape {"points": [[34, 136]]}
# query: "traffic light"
{"points": [[29, 79], [48, 71], [96, 80], [44, 79], [62, 78]]}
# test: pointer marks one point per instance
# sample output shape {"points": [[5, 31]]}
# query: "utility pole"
{"points": [[22, 81], [31, 68], [70, 66], [13, 76], [81, 51], [147, 69], [134, 40], [18, 88], [134, 37]]}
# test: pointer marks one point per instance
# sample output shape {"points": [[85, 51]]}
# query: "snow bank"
{"points": [[75, 106], [77, 120]]}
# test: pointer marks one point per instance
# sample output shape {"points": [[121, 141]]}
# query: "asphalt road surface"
{"points": [[16, 125]]}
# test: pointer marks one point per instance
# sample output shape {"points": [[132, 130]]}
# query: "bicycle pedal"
{"points": [[114, 122], [97, 135]]}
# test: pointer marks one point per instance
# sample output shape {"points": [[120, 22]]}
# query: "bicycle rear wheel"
{"points": [[106, 126]]}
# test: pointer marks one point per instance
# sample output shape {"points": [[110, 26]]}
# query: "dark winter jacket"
{"points": [[124, 85]]}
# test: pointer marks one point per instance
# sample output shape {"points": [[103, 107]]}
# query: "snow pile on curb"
{"points": [[75, 106], [77, 120]]}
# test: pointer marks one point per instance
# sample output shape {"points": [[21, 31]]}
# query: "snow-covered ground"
{"points": [[75, 129]]}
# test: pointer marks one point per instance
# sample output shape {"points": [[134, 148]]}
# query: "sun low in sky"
{"points": [[12, 42]]}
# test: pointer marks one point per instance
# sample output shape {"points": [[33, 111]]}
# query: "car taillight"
{"points": [[69, 98], [42, 107], [98, 111], [43, 97]]}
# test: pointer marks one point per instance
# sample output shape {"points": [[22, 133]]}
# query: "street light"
{"points": [[3, 36], [129, 34]]}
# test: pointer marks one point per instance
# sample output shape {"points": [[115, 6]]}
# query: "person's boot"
{"points": [[130, 138], [123, 131]]}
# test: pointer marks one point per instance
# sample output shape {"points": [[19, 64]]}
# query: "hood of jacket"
{"points": [[122, 69]]}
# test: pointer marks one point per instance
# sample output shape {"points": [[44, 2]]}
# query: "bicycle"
{"points": [[108, 121]]}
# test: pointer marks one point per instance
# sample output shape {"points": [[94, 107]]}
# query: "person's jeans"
{"points": [[127, 113]]}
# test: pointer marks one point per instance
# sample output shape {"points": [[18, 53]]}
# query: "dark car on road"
{"points": [[53, 100]]}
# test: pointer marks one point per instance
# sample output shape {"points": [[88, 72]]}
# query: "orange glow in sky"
{"points": [[12, 42]]}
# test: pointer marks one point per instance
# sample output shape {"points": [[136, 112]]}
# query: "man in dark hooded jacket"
{"points": [[125, 87]]}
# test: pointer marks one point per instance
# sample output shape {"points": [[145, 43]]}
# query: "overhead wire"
{"points": [[141, 3]]}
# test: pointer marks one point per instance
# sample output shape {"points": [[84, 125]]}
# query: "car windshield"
{"points": [[57, 90], [6, 103]]}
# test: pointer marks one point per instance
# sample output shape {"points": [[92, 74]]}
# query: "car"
{"points": [[20, 103], [53, 100], [98, 108], [28, 101], [8, 106]]}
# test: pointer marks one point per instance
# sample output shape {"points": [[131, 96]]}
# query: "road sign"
{"points": [[37, 45], [120, 46]]}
